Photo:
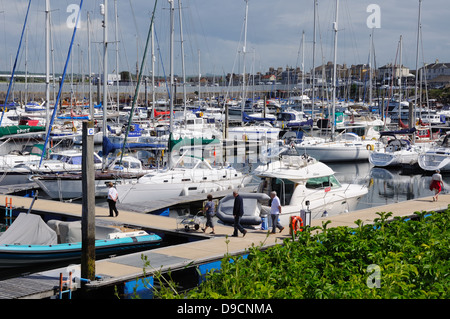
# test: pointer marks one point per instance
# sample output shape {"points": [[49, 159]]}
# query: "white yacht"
{"points": [[346, 147], [299, 180], [182, 179], [397, 152], [256, 132], [437, 157]]}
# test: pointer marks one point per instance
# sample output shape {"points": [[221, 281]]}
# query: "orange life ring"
{"points": [[296, 223]]}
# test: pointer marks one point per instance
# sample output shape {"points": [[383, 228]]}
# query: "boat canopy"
{"points": [[29, 229]]}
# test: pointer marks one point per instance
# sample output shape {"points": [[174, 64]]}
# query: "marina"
{"points": [[104, 177], [204, 253]]}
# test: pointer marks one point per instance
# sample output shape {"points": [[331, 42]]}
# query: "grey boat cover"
{"points": [[70, 232], [28, 229], [253, 208]]}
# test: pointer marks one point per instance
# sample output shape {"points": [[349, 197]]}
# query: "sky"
{"points": [[213, 34]]}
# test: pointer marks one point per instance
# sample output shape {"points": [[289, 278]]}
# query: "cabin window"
{"points": [[322, 182]]}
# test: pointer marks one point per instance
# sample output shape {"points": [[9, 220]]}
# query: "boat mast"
{"points": [[116, 29], [104, 12], [400, 77], [182, 57], [335, 29], [171, 67], [419, 26], [243, 62], [47, 63], [15, 63], [303, 68], [313, 65]]}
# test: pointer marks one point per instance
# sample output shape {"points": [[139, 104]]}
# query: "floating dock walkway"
{"points": [[202, 255]]}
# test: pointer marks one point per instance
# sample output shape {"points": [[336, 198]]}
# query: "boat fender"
{"points": [[296, 223]]}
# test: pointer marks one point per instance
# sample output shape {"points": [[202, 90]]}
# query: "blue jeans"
{"points": [[275, 223]]}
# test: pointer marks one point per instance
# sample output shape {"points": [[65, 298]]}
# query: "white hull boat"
{"points": [[181, 181], [263, 131], [398, 152], [349, 148], [436, 158], [303, 183]]}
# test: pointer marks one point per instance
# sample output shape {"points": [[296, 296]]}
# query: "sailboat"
{"points": [[436, 158], [397, 152], [17, 130], [251, 132], [346, 146]]}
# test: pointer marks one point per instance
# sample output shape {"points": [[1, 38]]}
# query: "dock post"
{"points": [[88, 206]]}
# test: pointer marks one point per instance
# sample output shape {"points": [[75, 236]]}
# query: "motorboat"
{"points": [[189, 175], [437, 157], [344, 148], [30, 241], [304, 183]]}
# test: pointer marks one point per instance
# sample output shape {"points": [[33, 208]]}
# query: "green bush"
{"points": [[409, 258]]}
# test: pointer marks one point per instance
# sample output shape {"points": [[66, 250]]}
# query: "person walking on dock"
{"points": [[113, 196], [275, 211], [209, 211], [436, 184], [238, 212]]}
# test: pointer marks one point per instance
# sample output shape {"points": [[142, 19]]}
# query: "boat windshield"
{"points": [[323, 182], [284, 188]]}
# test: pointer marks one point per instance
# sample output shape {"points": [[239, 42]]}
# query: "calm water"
{"points": [[386, 186]]}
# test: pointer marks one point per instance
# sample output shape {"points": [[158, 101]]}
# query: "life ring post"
{"points": [[295, 225]]}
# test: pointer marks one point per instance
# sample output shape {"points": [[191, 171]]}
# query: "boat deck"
{"points": [[118, 270]]}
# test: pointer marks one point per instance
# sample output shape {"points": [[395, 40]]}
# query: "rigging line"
{"points": [[162, 63], [15, 63], [139, 81], [62, 82]]}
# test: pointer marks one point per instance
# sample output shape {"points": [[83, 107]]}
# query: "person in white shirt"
{"points": [[113, 196], [275, 210]]}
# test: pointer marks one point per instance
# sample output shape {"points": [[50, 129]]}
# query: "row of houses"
{"points": [[435, 74]]}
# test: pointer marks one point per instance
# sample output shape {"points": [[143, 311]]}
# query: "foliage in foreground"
{"points": [[386, 259]]}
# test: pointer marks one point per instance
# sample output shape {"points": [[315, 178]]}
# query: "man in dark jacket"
{"points": [[238, 212]]}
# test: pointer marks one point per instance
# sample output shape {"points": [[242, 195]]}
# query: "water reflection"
{"points": [[386, 186]]}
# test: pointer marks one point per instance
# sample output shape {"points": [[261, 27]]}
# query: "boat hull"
{"points": [[438, 159], [26, 255], [337, 153], [143, 192]]}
